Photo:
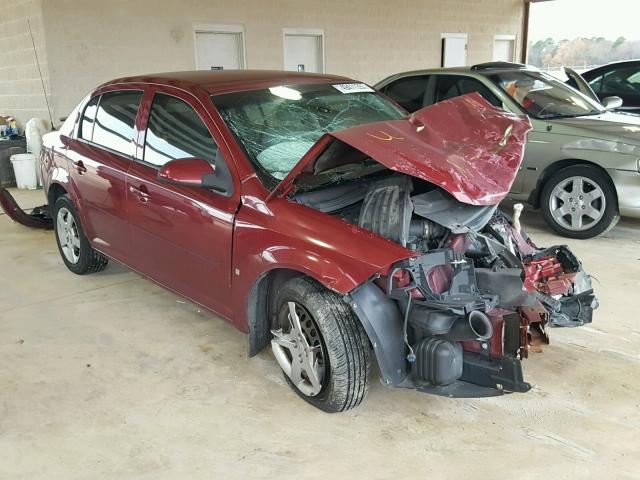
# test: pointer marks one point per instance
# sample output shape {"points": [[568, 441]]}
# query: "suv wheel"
{"points": [[75, 249], [320, 346], [580, 202]]}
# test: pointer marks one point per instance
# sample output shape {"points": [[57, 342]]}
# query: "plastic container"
{"points": [[24, 168], [34, 130]]}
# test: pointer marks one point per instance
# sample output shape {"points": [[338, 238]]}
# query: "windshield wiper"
{"points": [[568, 115]]}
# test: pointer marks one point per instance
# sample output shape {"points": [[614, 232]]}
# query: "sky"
{"points": [[560, 19]]}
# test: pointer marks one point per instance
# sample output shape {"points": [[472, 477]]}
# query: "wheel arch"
{"points": [[379, 316], [56, 190], [259, 305], [536, 194]]}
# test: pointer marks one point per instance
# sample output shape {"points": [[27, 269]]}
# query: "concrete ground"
{"points": [[111, 376]]}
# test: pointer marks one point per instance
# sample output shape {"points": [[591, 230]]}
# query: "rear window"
{"points": [[114, 121]]}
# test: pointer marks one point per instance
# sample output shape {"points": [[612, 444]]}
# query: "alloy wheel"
{"points": [[299, 352], [577, 203], [68, 235]]}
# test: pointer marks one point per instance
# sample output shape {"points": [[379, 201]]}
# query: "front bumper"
{"points": [[38, 218], [627, 183]]}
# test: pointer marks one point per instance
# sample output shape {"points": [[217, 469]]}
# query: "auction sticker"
{"points": [[353, 88]]}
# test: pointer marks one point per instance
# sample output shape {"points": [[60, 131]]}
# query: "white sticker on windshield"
{"points": [[353, 88]]}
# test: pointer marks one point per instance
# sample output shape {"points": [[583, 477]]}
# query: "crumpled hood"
{"points": [[464, 145], [620, 127]]}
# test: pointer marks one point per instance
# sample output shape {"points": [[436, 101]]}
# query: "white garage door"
{"points": [[303, 52], [219, 50], [504, 50], [454, 50]]}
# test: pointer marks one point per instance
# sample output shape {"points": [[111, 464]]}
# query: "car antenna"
{"points": [[46, 99]]}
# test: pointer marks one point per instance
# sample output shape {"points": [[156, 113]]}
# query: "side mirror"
{"points": [[185, 171], [197, 172], [611, 103]]}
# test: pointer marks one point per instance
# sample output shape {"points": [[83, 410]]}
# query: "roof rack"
{"points": [[500, 66]]}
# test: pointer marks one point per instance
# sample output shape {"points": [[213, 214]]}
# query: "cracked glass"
{"points": [[278, 125]]}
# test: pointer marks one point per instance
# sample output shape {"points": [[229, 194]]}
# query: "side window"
{"points": [[446, 87], [175, 130], [450, 86], [115, 120], [408, 91], [88, 119], [470, 85], [595, 84], [623, 81]]}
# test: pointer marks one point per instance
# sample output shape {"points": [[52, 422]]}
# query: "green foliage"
{"points": [[619, 41]]}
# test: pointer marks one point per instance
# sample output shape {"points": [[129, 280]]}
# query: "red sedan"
{"points": [[314, 215]]}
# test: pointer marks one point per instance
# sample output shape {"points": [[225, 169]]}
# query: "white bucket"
{"points": [[24, 167]]}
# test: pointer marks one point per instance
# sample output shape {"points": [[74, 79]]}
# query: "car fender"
{"points": [[55, 171], [547, 153], [549, 170], [59, 176], [383, 322], [338, 255]]}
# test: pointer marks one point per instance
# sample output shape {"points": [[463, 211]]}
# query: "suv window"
{"points": [[450, 86], [176, 130], [595, 84], [408, 92], [623, 81], [88, 118], [115, 120]]}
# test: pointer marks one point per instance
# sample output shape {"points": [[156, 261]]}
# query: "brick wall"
{"points": [[21, 92], [91, 41]]}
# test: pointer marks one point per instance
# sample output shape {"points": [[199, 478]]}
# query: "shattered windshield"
{"points": [[542, 96], [277, 126]]}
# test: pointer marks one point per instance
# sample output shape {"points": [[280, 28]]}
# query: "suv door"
{"points": [[181, 236], [100, 155]]}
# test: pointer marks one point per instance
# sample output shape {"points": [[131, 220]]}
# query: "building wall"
{"points": [[91, 41], [21, 94]]}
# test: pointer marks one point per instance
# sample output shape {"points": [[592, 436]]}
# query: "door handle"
{"points": [[141, 193], [80, 167]]}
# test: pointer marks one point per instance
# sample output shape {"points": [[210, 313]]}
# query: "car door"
{"points": [[623, 83], [181, 236], [99, 157]]}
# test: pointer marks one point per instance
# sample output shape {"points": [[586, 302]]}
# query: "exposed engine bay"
{"points": [[474, 301]]}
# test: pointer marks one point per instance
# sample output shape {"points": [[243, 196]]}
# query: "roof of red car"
{"points": [[230, 80]]}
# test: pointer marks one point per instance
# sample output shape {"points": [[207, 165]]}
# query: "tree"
{"points": [[581, 52], [619, 41]]}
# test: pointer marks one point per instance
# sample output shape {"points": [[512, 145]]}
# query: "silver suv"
{"points": [[582, 161]]}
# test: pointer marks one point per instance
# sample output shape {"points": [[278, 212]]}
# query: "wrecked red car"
{"points": [[316, 216]]}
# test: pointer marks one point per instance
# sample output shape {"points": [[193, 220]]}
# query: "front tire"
{"points": [[321, 346], [74, 247], [580, 202]]}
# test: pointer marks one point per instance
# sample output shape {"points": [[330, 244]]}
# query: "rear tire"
{"points": [[74, 247], [580, 202], [339, 345]]}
